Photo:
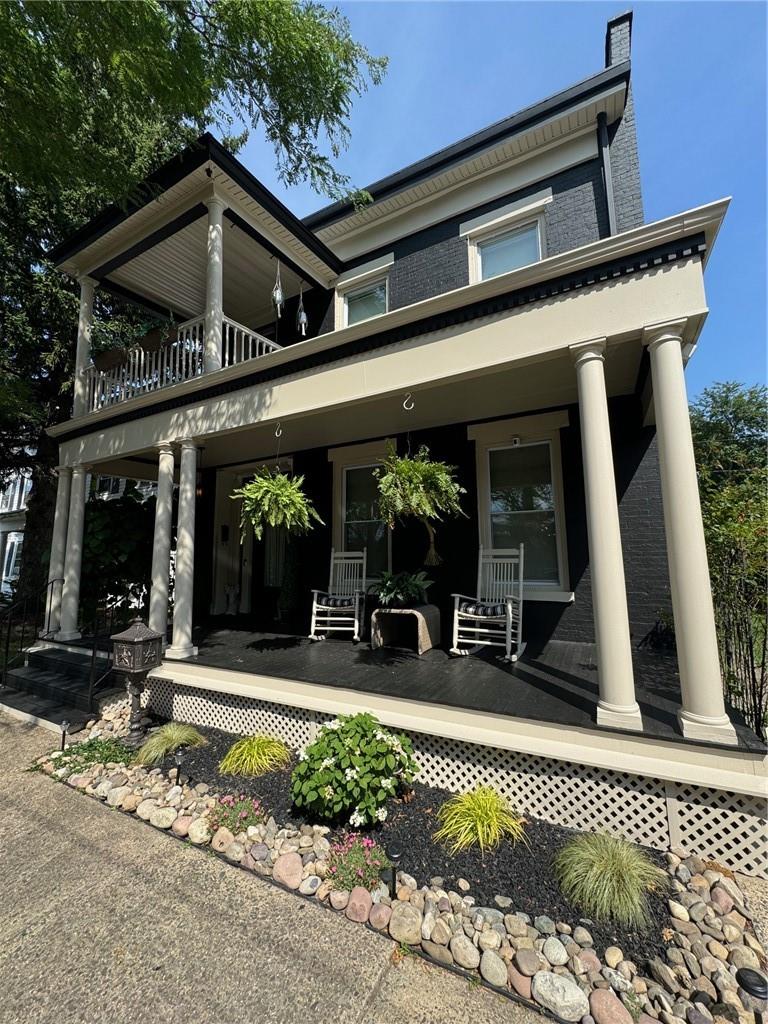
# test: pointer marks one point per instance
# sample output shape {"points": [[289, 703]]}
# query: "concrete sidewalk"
{"points": [[103, 919]]}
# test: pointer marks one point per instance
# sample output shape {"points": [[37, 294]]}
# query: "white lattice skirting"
{"points": [[730, 828]]}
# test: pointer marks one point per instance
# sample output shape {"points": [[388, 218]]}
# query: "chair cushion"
{"points": [[328, 601], [489, 611]]}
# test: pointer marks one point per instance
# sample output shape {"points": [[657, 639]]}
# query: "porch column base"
{"points": [[71, 635], [620, 716], [711, 730], [180, 653]]}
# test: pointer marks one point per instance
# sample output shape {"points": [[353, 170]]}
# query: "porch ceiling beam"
{"points": [[150, 241], [272, 249]]}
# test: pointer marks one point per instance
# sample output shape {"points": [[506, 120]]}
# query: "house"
{"points": [[13, 514], [503, 302]]}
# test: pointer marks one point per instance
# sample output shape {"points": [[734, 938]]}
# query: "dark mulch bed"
{"points": [[521, 872]]}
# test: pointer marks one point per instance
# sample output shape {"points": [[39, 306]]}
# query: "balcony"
{"points": [[172, 361]]}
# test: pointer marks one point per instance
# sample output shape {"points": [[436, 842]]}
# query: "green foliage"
{"points": [[255, 755], [481, 818], [356, 860], [97, 75], [237, 813], [352, 768], [418, 487], [167, 739], [274, 499], [730, 432], [79, 756], [609, 878], [401, 588]]}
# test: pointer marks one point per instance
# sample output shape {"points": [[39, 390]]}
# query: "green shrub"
{"points": [[166, 740], [356, 860], [237, 813], [352, 768], [255, 755], [480, 818], [608, 878], [96, 751]]}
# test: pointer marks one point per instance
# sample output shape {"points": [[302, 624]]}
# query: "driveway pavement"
{"points": [[103, 919]]}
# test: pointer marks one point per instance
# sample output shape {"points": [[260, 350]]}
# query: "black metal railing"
{"points": [[110, 616], [26, 621]]}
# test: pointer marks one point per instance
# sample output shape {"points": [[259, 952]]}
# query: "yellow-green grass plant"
{"points": [[482, 817], [255, 755], [609, 878], [167, 739]]}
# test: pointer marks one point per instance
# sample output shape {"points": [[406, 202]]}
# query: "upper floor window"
{"points": [[13, 497], [366, 302], [509, 250]]}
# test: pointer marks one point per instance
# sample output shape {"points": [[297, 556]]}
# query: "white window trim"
{"points": [[499, 222], [542, 429], [354, 456], [357, 279]]}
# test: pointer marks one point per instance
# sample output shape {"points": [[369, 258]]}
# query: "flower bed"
{"points": [[500, 915]]}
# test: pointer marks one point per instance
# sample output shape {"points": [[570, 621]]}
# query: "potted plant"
{"points": [[401, 589], [419, 487], [272, 498]]}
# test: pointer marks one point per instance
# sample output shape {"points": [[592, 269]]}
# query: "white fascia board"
{"points": [[705, 219]]}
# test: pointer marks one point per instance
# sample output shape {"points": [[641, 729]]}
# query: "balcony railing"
{"points": [[177, 360]]}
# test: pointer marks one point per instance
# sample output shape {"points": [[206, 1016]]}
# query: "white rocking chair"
{"points": [[340, 607], [495, 617]]}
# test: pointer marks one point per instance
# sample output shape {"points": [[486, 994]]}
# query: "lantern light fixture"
{"points": [[136, 651]]}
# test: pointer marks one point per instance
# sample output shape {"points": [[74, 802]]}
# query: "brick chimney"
{"points": [[622, 137]]}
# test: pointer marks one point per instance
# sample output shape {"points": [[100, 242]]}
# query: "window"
{"points": [[363, 527], [520, 497], [522, 507], [508, 251], [364, 303], [108, 485], [12, 561]]}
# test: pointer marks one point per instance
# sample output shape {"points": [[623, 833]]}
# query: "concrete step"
{"points": [[42, 711], [65, 663], [50, 685]]}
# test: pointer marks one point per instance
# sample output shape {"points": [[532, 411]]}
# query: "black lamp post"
{"points": [[136, 651], [178, 758], [64, 730], [395, 855], [755, 984]]}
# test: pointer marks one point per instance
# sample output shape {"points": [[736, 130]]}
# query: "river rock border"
{"points": [[549, 965]]}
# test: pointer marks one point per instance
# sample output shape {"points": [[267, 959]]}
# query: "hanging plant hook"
{"points": [[409, 403], [279, 430]]}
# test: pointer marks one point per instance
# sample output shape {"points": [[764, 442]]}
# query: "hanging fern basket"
{"points": [[272, 498], [421, 488]]}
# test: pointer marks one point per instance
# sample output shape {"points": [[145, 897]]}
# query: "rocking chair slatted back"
{"points": [[499, 574], [348, 573]]}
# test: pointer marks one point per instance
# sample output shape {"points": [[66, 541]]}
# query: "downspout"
{"points": [[605, 159]]}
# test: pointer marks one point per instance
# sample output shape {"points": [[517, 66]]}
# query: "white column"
{"points": [[83, 351], [161, 550], [617, 705], [58, 549], [185, 556], [214, 286], [70, 597], [702, 715]]}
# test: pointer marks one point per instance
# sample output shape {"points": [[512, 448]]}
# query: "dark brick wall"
{"points": [[622, 136]]}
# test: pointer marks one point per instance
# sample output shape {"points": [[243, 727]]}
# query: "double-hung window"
{"points": [[363, 526], [507, 238], [364, 303], [362, 293], [509, 250]]}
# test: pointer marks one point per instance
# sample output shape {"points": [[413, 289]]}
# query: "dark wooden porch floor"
{"points": [[557, 684]]}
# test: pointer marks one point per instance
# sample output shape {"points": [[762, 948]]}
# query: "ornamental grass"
{"points": [[255, 755], [609, 879], [167, 739], [481, 818]]}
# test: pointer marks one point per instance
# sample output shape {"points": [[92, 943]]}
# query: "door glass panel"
{"points": [[362, 525]]}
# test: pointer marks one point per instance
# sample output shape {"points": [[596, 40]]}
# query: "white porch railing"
{"points": [[178, 360]]}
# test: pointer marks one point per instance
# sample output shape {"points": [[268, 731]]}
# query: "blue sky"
{"points": [[699, 81]]}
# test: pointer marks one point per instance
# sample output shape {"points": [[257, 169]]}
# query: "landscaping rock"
{"points": [[493, 969], [582, 936], [462, 885], [234, 852], [678, 911], [590, 959], [310, 885], [405, 924], [199, 831], [438, 953], [519, 982], [464, 952], [441, 933], [145, 808], [606, 1008], [288, 870], [379, 916], [221, 839], [528, 962], [545, 925], [613, 956], [359, 906], [117, 794], [555, 952], [163, 817], [339, 899], [560, 994], [617, 981]]}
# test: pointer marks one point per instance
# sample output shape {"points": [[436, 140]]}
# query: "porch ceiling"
{"points": [[172, 274], [515, 389]]}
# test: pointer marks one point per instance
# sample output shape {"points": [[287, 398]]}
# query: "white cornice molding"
{"points": [[706, 219]]}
